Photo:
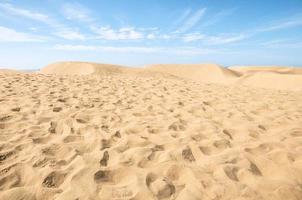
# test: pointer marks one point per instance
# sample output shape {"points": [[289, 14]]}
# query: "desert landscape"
{"points": [[78, 131]]}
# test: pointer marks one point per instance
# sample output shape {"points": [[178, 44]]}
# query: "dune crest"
{"points": [[273, 69], [82, 68], [210, 73], [271, 77]]}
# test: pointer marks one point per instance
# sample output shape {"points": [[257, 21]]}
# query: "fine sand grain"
{"points": [[106, 132]]}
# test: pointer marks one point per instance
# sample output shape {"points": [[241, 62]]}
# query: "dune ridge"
{"points": [[211, 73], [273, 69], [271, 77], [81, 68]]}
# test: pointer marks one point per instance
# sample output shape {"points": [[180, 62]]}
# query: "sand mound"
{"points": [[88, 68], [274, 69], [272, 80], [82, 68], [210, 73], [273, 77], [266, 77], [10, 71]]}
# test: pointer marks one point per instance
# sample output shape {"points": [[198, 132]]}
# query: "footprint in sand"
{"points": [[11, 180], [188, 155], [72, 138], [255, 170], [54, 179], [161, 187], [262, 127], [222, 144], [6, 155], [228, 133], [104, 160], [41, 140], [52, 128], [231, 172], [105, 144], [16, 109], [56, 109], [102, 176], [205, 150], [5, 118], [177, 126]]}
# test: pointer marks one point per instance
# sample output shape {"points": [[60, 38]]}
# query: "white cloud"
{"points": [[282, 43], [105, 48], [193, 37], [25, 13], [288, 23], [66, 47], [183, 51], [70, 35], [166, 36], [217, 17], [225, 39], [213, 40], [184, 15], [10, 35], [191, 20], [126, 33], [151, 36], [59, 29], [129, 49], [76, 11]]}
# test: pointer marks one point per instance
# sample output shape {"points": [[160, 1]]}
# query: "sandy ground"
{"points": [[145, 134]]}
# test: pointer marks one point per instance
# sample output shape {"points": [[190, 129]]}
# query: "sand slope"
{"points": [[272, 80], [273, 69], [10, 71], [140, 136], [284, 78], [82, 68], [210, 73]]}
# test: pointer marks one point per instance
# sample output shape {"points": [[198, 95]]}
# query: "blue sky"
{"points": [[140, 32]]}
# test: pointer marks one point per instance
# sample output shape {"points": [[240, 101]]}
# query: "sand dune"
{"points": [[273, 69], [284, 78], [210, 73], [9, 71], [273, 80], [154, 133], [83, 68]]}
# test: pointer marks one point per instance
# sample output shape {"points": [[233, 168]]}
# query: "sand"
{"points": [[110, 132]]}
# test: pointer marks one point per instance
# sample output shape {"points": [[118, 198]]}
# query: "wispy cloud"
{"points": [[77, 12], [291, 22], [294, 21], [125, 33], [70, 35], [213, 40], [183, 16], [193, 37], [67, 47], [9, 8], [217, 17], [185, 51], [59, 29], [151, 36], [10, 35], [191, 20], [282, 43], [227, 39]]}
